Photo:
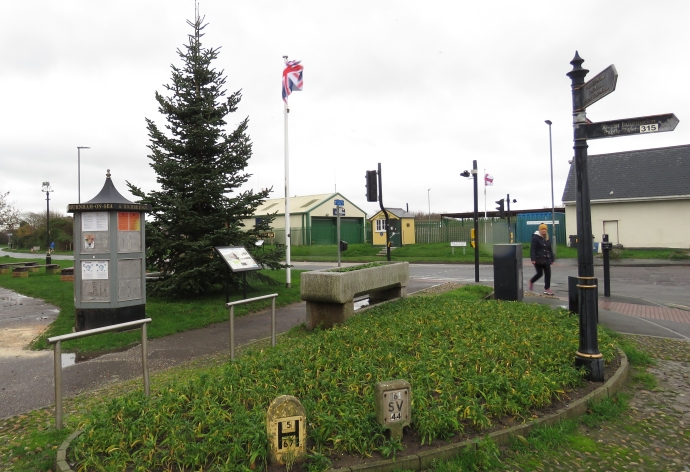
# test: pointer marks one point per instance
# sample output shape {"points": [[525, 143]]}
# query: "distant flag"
{"points": [[488, 180], [292, 78]]}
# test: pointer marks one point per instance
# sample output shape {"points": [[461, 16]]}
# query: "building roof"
{"points": [[397, 212], [661, 173], [108, 193], [298, 204]]}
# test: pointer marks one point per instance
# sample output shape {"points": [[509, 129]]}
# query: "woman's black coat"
{"points": [[540, 251]]}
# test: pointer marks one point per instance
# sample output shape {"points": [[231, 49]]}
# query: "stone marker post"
{"points": [[286, 426], [392, 405]]}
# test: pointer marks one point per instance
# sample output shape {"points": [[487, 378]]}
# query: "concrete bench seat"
{"points": [[330, 294], [22, 271], [67, 274], [29, 267]]}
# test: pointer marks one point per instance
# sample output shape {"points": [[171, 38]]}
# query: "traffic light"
{"points": [[372, 186], [343, 245], [472, 237], [500, 207]]}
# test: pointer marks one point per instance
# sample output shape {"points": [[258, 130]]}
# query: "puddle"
{"points": [[70, 358], [361, 303]]}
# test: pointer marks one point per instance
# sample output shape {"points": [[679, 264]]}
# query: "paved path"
{"points": [[647, 311]]}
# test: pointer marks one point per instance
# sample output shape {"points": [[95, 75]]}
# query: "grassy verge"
{"points": [[469, 363], [443, 253], [28, 442], [575, 444], [168, 317]]}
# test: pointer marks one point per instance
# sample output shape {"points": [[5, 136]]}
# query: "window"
{"points": [[380, 226], [309, 203]]}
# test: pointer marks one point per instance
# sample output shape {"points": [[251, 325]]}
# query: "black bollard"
{"points": [[606, 246]]}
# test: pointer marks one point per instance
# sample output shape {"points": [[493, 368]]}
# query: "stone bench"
{"points": [[7, 267], [30, 267], [67, 275], [330, 295], [22, 271]]}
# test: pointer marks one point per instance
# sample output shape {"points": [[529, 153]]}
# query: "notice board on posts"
{"points": [[237, 258]]}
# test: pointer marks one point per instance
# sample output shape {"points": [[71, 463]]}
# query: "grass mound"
{"points": [[468, 362]]}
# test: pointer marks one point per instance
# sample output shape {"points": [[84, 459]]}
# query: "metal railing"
{"points": [[57, 358], [232, 305]]}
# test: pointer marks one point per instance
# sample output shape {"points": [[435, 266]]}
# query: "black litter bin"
{"points": [[573, 240], [508, 272]]}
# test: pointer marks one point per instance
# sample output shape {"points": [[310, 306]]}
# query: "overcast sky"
{"points": [[424, 88]]}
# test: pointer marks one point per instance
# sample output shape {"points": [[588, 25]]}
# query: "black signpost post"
{"points": [[583, 95], [388, 228]]}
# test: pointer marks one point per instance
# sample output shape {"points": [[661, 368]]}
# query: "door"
{"points": [[351, 230], [396, 237], [323, 231], [611, 228]]}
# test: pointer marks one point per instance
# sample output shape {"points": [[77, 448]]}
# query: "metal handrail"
{"points": [[57, 358], [232, 305]]}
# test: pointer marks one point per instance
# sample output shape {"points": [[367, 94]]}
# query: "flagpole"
{"points": [[484, 194], [288, 277], [484, 206]]}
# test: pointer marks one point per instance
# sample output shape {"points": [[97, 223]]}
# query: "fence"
{"points": [[491, 231], [57, 358], [232, 305]]}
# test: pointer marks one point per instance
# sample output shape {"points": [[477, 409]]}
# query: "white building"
{"points": [[641, 199]]}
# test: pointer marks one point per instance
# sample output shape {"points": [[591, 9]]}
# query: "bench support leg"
{"points": [[328, 314]]}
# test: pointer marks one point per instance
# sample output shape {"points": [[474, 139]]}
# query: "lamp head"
{"points": [[548, 122]]}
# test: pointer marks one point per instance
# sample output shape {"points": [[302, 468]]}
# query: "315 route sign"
{"points": [[631, 126]]}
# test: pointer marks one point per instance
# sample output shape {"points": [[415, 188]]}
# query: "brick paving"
{"points": [[646, 311]]}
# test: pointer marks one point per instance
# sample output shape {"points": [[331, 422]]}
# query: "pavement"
{"points": [[27, 376]]}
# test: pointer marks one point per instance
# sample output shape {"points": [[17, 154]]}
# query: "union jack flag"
{"points": [[488, 180], [292, 78]]}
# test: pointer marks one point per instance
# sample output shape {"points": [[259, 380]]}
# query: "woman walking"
{"points": [[541, 254]]}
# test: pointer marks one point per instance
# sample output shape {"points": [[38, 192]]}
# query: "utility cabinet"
{"points": [[109, 259], [508, 272]]}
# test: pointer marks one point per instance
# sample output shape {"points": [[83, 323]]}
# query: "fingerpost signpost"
{"points": [[583, 95]]}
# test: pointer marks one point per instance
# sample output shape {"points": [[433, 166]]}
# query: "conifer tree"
{"points": [[200, 169]]}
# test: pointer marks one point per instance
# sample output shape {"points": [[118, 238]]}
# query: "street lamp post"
{"points": [[467, 174], [553, 211], [79, 148], [476, 224], [428, 197], [47, 190]]}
